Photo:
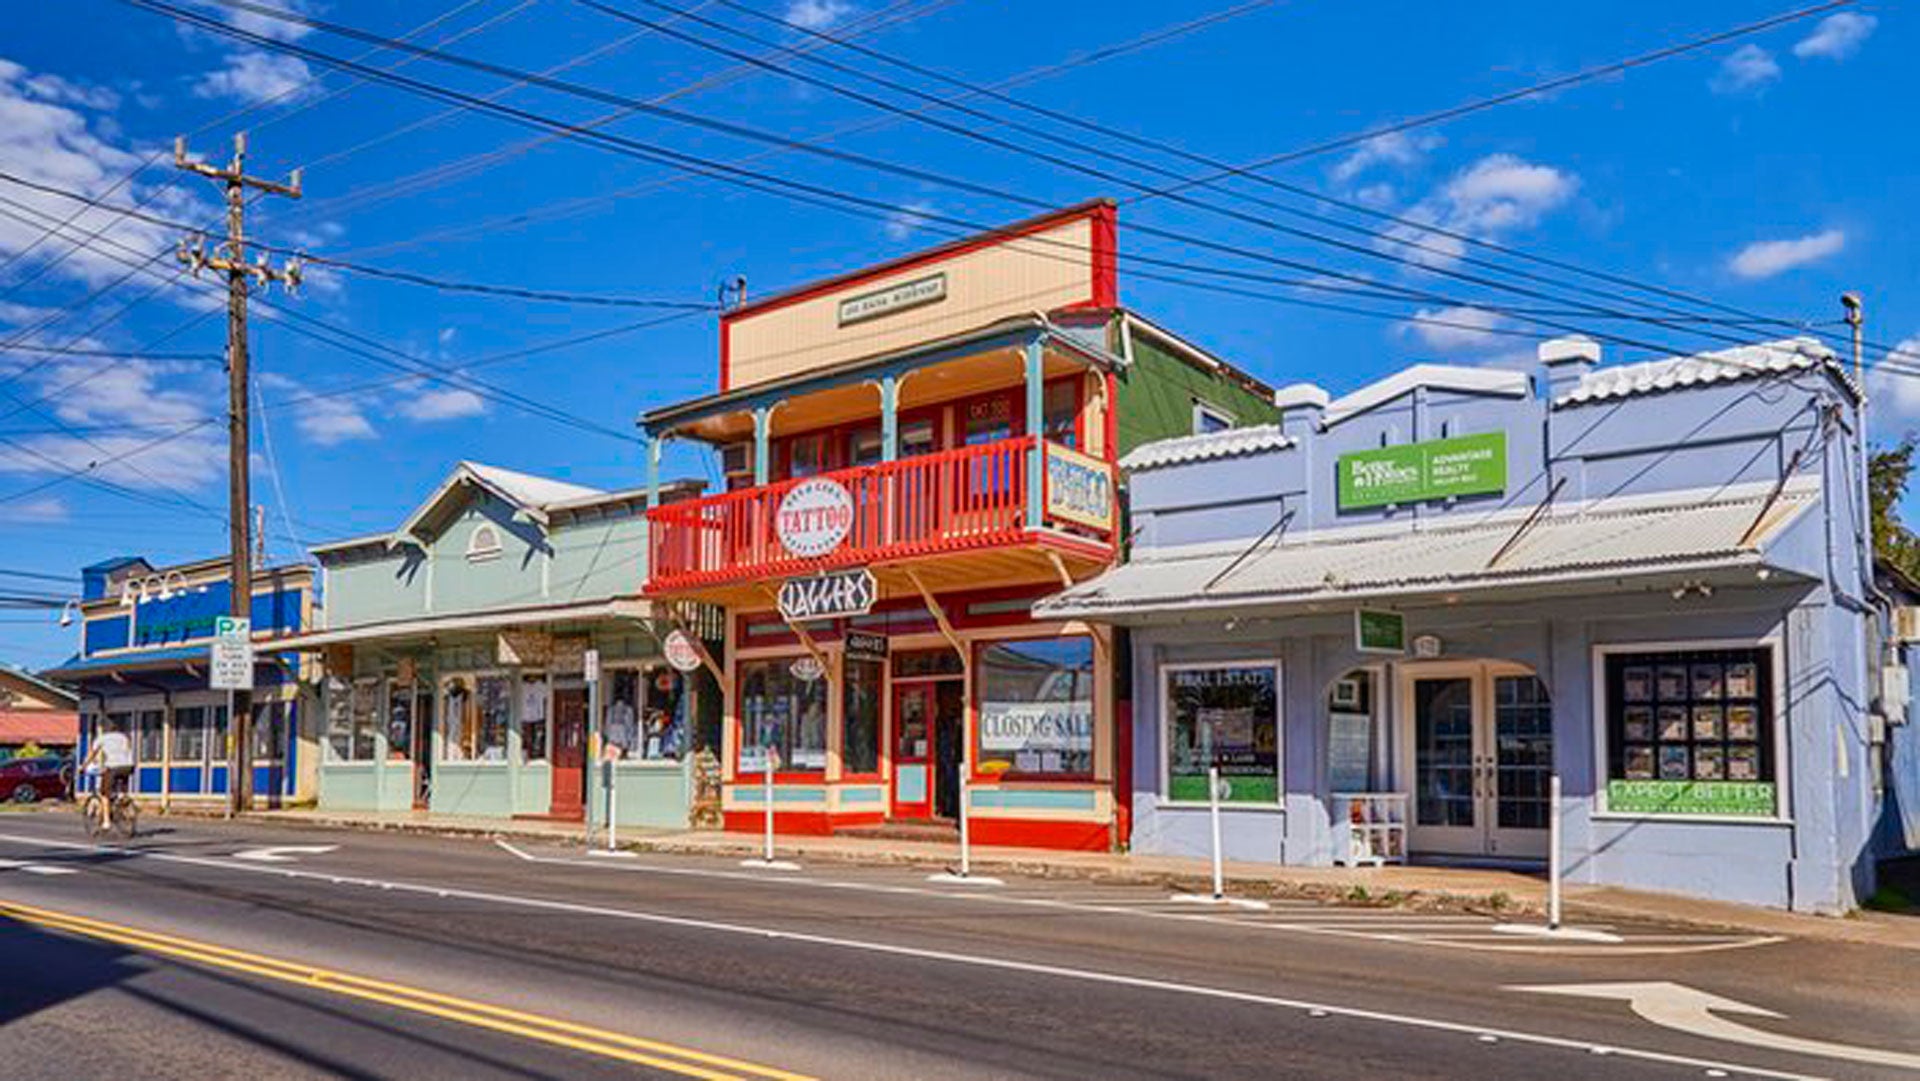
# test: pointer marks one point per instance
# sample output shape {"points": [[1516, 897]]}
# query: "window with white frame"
{"points": [[1208, 419], [1690, 731], [483, 543], [1227, 715]]}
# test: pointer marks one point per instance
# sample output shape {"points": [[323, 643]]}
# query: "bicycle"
{"points": [[123, 819]]}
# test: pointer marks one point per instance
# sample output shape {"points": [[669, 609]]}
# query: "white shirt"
{"points": [[116, 752]]}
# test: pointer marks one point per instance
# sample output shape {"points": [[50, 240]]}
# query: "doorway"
{"points": [[928, 748], [412, 723], [569, 753], [1479, 744]]}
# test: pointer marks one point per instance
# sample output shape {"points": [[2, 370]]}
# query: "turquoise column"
{"points": [[1036, 425], [889, 418], [762, 445]]}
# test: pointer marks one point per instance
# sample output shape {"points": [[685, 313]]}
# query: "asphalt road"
{"points": [[207, 950]]}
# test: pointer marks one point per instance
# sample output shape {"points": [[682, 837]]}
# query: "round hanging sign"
{"points": [[815, 517], [680, 652], [807, 669]]}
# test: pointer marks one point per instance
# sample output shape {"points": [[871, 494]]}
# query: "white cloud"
{"points": [[49, 87], [1455, 329], [254, 77], [1837, 37], [447, 334], [1496, 195], [65, 144], [441, 403], [1395, 148], [901, 223], [1765, 258], [1746, 69], [157, 403], [324, 422], [1375, 195], [817, 14], [255, 23], [38, 511], [1897, 393]]}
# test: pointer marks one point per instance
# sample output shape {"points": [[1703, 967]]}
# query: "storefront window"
{"points": [[781, 710], [623, 713], [1690, 732], [189, 734], [493, 703], [457, 741], [399, 720], [217, 746], [1350, 733], [1036, 707], [911, 663], [664, 735], [269, 732], [339, 707], [366, 718], [1063, 413], [1228, 716], [533, 719], [150, 739], [863, 682]]}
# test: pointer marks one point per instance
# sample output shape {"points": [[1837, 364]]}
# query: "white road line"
{"points": [[1005, 964], [35, 868]]}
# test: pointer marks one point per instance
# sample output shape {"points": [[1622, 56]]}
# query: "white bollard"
{"points": [[1554, 868], [966, 851], [766, 801], [613, 807], [964, 876], [1213, 815]]}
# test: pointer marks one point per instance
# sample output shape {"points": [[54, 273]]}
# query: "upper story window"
{"points": [[917, 437], [863, 446], [736, 461], [807, 456], [483, 543], [989, 420], [1208, 419]]}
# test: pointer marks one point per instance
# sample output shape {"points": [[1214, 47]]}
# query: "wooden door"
{"points": [[569, 752], [913, 736]]}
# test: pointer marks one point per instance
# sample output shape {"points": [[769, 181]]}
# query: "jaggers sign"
{"points": [[828, 596]]}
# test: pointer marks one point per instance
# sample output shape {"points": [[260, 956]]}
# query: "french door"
{"points": [[1479, 744]]}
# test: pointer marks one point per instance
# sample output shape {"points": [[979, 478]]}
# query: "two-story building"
{"points": [[913, 454], [457, 650], [1392, 618], [145, 643]]}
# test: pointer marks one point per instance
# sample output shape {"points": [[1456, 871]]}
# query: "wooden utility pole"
{"points": [[231, 259]]}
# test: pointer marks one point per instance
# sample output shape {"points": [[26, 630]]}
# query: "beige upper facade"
{"points": [[1058, 261]]}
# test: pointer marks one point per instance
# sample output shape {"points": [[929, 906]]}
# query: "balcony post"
{"points": [[762, 445], [1036, 427], [889, 418]]}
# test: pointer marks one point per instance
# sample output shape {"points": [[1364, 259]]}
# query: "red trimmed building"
{"points": [[914, 453]]}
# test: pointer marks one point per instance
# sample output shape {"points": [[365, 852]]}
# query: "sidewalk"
{"points": [[1419, 887]]}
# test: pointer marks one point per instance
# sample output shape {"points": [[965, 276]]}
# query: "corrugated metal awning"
{"points": [[1585, 543]]}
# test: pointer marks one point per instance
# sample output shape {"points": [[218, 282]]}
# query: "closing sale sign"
{"points": [[1435, 469]]}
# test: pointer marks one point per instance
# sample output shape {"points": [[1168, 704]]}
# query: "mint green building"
{"points": [[460, 652]]}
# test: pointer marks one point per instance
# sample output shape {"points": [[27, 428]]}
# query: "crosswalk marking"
{"points": [[34, 868]]}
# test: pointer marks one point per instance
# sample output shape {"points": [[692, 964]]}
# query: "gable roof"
{"points": [[59, 694], [527, 493], [1723, 365], [1491, 381]]}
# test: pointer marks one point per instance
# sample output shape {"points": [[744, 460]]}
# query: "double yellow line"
{"points": [[550, 1030]]}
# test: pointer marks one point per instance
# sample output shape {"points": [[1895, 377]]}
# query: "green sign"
{"points": [[1379, 632], [1436, 469], [1747, 798]]}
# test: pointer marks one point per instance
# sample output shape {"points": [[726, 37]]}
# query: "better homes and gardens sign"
{"points": [[1436, 469]]}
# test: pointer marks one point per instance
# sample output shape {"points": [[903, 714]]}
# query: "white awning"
{"points": [[623, 608], [1679, 534]]}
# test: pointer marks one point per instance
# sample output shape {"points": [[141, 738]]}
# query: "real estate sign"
{"points": [[1413, 472]]}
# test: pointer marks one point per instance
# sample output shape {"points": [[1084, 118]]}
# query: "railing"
{"points": [[954, 500]]}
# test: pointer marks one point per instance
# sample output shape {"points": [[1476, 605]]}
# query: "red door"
{"points": [[913, 750], [569, 753]]}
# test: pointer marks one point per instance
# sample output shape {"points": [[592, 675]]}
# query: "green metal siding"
{"points": [[1157, 392]]}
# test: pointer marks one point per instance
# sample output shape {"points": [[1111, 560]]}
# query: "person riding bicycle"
{"points": [[113, 751]]}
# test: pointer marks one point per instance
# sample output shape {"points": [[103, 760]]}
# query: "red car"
{"points": [[25, 780]]}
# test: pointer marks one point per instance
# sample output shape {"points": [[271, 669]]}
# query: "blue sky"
{"points": [[1768, 174]]}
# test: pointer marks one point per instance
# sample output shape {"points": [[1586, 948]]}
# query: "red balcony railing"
{"points": [[948, 501]]}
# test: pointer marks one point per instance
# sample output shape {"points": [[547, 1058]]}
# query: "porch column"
{"points": [[889, 418], [654, 446], [1036, 425], [762, 445]]}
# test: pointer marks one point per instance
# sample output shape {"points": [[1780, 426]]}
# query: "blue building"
{"points": [[145, 634], [1392, 617]]}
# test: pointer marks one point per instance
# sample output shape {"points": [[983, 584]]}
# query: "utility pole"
{"points": [[231, 259]]}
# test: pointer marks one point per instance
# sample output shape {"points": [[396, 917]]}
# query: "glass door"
{"points": [[1481, 742], [913, 750]]}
